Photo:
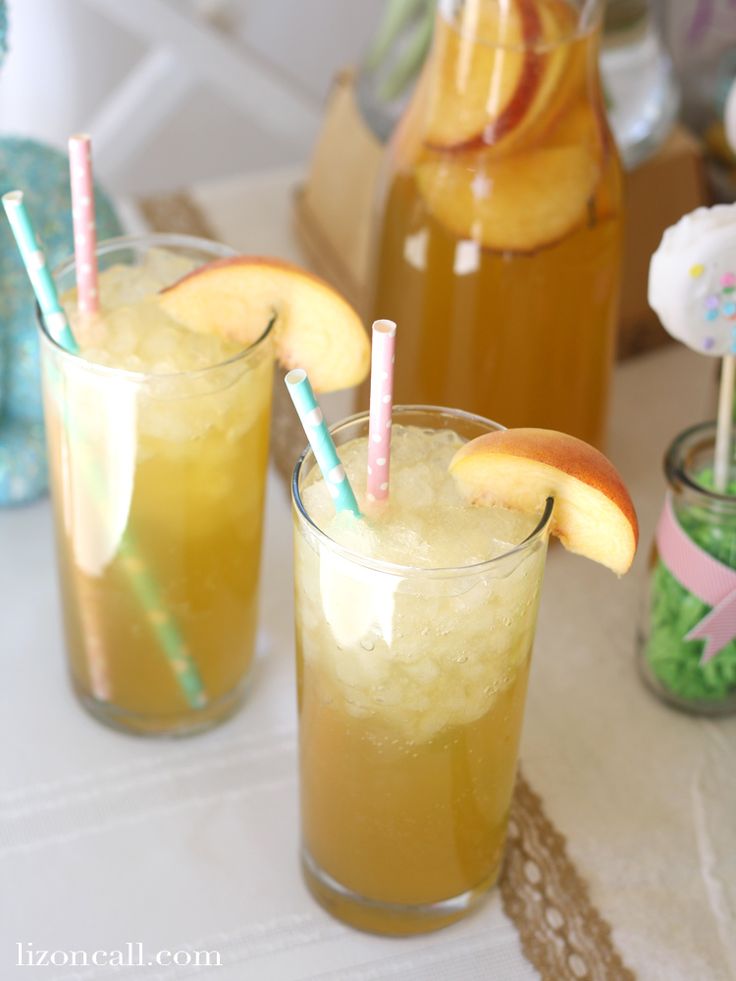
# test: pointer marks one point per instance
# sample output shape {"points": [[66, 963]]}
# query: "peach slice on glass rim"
{"points": [[521, 203], [315, 328], [488, 73], [519, 469]]}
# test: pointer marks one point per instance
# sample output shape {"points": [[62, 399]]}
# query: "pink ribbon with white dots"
{"points": [[83, 214], [379, 429]]}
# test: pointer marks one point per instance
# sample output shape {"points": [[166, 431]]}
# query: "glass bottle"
{"points": [[498, 252], [701, 34], [641, 92], [686, 644]]}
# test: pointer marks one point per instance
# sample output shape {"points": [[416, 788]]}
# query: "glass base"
{"points": [[693, 706], [389, 919], [166, 726]]}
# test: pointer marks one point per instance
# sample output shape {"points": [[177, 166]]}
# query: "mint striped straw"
{"points": [[38, 271], [315, 427], [166, 630]]}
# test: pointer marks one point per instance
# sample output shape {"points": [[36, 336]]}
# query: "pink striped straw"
{"points": [[83, 214], [94, 642], [379, 427]]}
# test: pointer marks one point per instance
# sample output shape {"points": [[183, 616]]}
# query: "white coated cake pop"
{"points": [[692, 280]]}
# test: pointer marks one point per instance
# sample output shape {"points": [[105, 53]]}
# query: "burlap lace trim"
{"points": [[562, 934]]}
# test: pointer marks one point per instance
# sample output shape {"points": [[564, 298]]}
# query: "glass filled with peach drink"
{"points": [[414, 632], [158, 449]]}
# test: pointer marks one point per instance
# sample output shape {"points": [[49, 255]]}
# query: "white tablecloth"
{"points": [[107, 839]]}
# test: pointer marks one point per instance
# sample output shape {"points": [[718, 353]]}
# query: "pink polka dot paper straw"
{"points": [[94, 642], [379, 429], [83, 214]]}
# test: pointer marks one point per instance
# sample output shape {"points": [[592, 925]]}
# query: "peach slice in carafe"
{"points": [[522, 202], [484, 74], [501, 73], [562, 79]]}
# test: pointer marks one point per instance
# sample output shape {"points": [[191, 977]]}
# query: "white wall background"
{"points": [[68, 57]]}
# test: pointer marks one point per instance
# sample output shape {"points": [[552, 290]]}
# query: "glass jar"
{"points": [[687, 636], [499, 246]]}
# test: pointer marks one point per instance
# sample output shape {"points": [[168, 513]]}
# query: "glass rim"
{"points": [[699, 436], [396, 569], [219, 251]]}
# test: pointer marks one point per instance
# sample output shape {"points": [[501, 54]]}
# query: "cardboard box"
{"points": [[335, 219], [657, 194], [335, 210]]}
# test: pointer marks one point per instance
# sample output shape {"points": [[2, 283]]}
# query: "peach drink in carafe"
{"points": [[499, 244]]}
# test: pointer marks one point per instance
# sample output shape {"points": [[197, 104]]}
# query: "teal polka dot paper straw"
{"points": [[315, 427], [38, 271], [142, 582], [164, 626]]}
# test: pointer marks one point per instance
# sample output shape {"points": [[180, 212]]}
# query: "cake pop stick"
{"points": [[724, 425], [728, 376]]}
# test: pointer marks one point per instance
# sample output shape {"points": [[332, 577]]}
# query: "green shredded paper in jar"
{"points": [[674, 612]]}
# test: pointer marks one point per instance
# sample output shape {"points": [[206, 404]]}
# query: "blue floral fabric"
{"points": [[42, 173]]}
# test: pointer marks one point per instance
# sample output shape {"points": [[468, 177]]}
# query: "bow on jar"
{"points": [[712, 582]]}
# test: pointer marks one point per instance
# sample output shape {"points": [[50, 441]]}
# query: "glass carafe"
{"points": [[498, 251]]}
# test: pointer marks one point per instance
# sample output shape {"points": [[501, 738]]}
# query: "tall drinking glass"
{"points": [[411, 689], [158, 489]]}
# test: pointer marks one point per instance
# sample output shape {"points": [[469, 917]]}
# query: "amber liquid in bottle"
{"points": [[499, 247]]}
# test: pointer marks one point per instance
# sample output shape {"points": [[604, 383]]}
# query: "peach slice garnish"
{"points": [[488, 73], [316, 329], [520, 203], [519, 469]]}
